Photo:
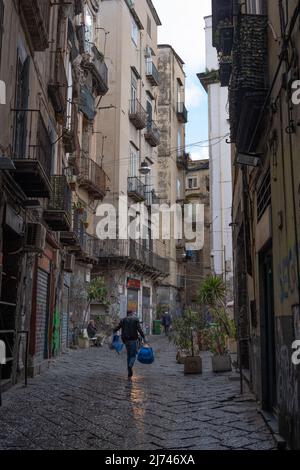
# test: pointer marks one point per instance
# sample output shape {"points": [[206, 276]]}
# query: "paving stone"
{"points": [[86, 402]]}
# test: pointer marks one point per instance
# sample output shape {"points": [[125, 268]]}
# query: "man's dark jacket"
{"points": [[131, 329]]}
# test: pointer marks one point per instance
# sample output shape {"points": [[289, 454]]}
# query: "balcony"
{"points": [[58, 215], [36, 14], [222, 12], [152, 134], [73, 238], [182, 113], [137, 114], [143, 259], [70, 133], [152, 73], [182, 160], [89, 248], [249, 80], [32, 154], [93, 61], [136, 189], [92, 178], [58, 88]]}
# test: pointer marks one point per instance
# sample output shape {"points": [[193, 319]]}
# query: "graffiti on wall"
{"points": [[56, 333], [287, 382], [287, 275]]}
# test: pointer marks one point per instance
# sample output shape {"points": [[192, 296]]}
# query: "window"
{"points": [[149, 25], [134, 161], [134, 32], [133, 92], [178, 189], [89, 29], [179, 143], [193, 182], [21, 102]]}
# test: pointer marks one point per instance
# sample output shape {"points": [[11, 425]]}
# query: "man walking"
{"points": [[166, 322], [131, 329]]}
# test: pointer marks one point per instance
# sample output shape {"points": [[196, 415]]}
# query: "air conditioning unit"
{"points": [[35, 238], [69, 265]]}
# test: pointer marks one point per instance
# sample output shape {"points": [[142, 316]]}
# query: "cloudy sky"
{"points": [[183, 28]]}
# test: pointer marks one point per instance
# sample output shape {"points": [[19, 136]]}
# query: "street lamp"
{"points": [[145, 169]]}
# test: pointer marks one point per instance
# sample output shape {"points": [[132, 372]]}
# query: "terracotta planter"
{"points": [[193, 365], [221, 363]]}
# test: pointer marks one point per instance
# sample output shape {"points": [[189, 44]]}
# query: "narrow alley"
{"points": [[85, 401]]}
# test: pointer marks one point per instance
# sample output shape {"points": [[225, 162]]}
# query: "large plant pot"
{"points": [[193, 365], [83, 343], [221, 363]]}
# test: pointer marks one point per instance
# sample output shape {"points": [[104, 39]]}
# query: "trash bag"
{"points": [[116, 344], [146, 355]]}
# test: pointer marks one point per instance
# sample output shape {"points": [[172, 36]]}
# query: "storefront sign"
{"points": [[133, 284]]}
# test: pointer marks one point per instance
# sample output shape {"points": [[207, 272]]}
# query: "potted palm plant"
{"points": [[212, 294], [183, 337]]}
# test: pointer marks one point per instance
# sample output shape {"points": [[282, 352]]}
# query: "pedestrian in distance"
{"points": [[166, 322], [130, 331]]}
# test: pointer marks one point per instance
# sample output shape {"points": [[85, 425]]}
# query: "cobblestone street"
{"points": [[84, 401]]}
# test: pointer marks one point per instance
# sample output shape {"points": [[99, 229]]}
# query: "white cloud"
{"points": [[183, 28], [204, 154], [193, 96]]}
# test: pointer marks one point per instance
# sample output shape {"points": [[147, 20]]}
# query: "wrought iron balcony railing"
{"points": [[70, 133], [137, 114], [58, 214], [93, 61], [32, 153], [145, 259], [58, 87], [92, 177], [36, 13], [152, 134], [152, 73], [182, 160], [182, 113], [136, 189]]}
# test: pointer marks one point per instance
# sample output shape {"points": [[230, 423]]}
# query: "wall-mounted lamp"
{"points": [[145, 169]]}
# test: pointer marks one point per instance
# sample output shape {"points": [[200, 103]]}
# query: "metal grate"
{"points": [[264, 196]]}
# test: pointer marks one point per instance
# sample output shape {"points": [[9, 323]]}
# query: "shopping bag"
{"points": [[146, 355], [116, 344]]}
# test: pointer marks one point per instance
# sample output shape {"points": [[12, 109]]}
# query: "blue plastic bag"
{"points": [[146, 355], [116, 344]]}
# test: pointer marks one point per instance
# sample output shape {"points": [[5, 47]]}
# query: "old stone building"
{"points": [[49, 176], [129, 137], [198, 262], [258, 45], [172, 164]]}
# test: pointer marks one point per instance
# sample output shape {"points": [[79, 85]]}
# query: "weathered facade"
{"points": [[220, 165], [198, 262], [265, 142], [129, 137], [49, 181], [172, 164]]}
